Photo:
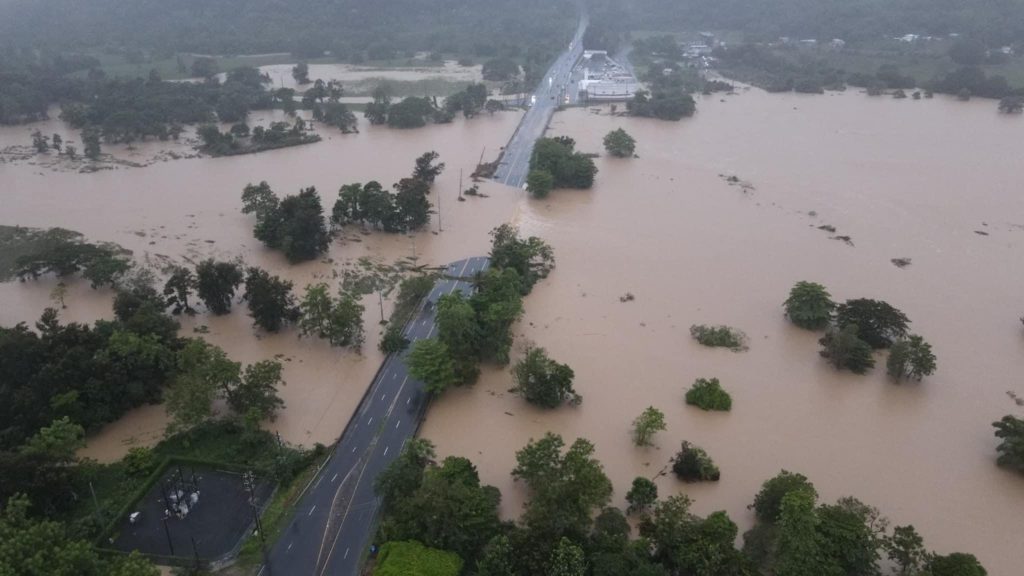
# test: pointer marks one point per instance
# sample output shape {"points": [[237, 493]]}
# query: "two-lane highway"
{"points": [[515, 162], [333, 522]]}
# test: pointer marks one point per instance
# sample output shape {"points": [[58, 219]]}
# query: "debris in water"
{"points": [[845, 239], [828, 228], [628, 297], [981, 233], [901, 262]]}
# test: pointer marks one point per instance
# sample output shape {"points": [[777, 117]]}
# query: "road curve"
{"points": [[333, 522]]}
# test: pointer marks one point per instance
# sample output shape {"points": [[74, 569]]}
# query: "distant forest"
{"points": [[350, 29]]}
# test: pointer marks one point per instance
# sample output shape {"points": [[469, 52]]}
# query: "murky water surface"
{"points": [[902, 179]]}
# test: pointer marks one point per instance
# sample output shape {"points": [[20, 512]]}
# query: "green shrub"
{"points": [[692, 464], [1011, 450], [708, 395], [719, 337]]}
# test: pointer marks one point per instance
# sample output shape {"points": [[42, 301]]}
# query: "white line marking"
{"points": [[407, 400], [333, 478], [394, 375], [311, 510], [289, 546], [346, 553], [397, 423], [353, 450], [370, 422], [386, 450], [382, 396]]}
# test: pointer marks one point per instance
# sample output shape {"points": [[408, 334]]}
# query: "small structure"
{"points": [[604, 79]]}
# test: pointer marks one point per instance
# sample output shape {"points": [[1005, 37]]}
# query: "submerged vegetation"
{"points": [[709, 395], [719, 337]]}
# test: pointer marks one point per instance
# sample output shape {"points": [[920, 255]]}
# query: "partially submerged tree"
{"points": [[270, 299], [910, 359], [339, 321], [843, 348], [216, 283], [619, 143], [692, 464], [1010, 430], [809, 306], [542, 381], [180, 285], [878, 323], [642, 495], [531, 257], [708, 395], [647, 424]]}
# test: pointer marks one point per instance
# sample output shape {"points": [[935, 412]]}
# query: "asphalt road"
{"points": [[549, 95], [334, 520]]}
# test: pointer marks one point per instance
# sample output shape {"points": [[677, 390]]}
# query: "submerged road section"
{"points": [[334, 520], [549, 95]]}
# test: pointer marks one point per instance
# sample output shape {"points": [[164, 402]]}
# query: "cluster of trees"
{"points": [[31, 545], [64, 253], [1010, 430], [662, 104], [619, 143], [295, 225], [137, 109], [568, 528], [858, 327], [404, 210], [239, 139], [692, 464], [501, 69], [796, 535], [478, 328], [556, 164], [784, 70], [417, 111], [544, 382]]}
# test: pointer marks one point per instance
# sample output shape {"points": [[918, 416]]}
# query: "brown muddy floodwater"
{"points": [[903, 179], [186, 210]]}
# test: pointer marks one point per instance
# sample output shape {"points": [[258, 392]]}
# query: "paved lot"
{"points": [[220, 518]]}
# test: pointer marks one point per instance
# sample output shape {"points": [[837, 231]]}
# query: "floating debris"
{"points": [[845, 239], [901, 262], [828, 228], [628, 297]]}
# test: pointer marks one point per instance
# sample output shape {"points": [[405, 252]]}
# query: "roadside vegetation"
{"points": [[567, 523]]}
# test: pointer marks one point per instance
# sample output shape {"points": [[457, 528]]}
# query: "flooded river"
{"points": [[902, 179], [186, 210]]}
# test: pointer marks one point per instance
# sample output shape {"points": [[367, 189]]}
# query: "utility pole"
{"points": [[167, 531], [460, 184], [95, 504], [249, 480], [439, 228], [380, 298]]}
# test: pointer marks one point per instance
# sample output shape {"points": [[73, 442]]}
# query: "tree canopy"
{"points": [[542, 381]]}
